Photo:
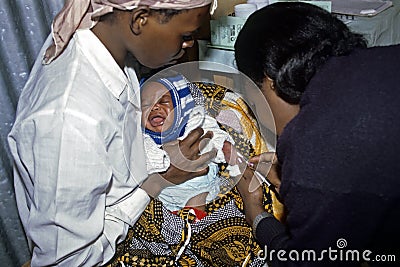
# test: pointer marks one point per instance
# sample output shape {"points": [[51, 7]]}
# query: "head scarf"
{"points": [[183, 103], [83, 14]]}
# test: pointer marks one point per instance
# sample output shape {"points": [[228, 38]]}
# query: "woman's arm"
{"points": [[268, 230]]}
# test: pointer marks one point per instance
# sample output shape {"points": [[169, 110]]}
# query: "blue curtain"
{"points": [[24, 25]]}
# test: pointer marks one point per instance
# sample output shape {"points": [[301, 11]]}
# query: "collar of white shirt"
{"points": [[115, 79]]}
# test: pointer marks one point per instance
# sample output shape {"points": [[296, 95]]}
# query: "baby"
{"points": [[171, 108]]}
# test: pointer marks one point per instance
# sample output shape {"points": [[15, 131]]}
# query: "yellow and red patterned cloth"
{"points": [[222, 237]]}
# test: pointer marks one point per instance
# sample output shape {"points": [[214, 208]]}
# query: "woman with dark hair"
{"points": [[336, 107]]}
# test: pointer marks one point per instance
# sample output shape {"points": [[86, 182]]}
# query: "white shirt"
{"points": [[73, 141]]}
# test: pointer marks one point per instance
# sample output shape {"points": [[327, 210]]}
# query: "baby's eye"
{"points": [[145, 106]]}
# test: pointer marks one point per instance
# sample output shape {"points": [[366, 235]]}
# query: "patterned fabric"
{"points": [[83, 14], [223, 237]]}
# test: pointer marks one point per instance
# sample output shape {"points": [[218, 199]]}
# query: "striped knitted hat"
{"points": [[183, 103]]}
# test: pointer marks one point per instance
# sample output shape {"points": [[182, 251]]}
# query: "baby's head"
{"points": [[166, 105], [157, 107]]}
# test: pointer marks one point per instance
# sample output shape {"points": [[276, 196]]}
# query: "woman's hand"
{"points": [[267, 165], [186, 162], [251, 192], [185, 155], [249, 186]]}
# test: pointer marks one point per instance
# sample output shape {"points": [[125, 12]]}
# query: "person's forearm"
{"points": [[252, 210], [81, 210], [154, 184], [73, 241]]}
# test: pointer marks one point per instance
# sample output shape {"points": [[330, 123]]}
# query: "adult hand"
{"points": [[266, 164], [251, 193], [186, 162]]}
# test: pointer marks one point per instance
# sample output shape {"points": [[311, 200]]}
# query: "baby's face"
{"points": [[157, 107]]}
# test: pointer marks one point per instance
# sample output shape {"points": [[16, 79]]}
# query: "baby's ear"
{"points": [[139, 17]]}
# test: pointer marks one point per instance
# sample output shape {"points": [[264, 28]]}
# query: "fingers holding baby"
{"points": [[186, 158]]}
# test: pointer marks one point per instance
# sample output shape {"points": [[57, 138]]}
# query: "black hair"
{"points": [[165, 15], [288, 41]]}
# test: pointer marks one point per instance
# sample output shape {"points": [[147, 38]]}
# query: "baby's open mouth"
{"points": [[157, 121]]}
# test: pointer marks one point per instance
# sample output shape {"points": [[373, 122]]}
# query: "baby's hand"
{"points": [[229, 153]]}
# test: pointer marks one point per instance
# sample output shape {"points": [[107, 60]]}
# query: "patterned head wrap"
{"points": [[183, 103], [83, 14]]}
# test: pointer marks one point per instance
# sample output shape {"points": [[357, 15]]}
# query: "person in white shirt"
{"points": [[80, 175]]}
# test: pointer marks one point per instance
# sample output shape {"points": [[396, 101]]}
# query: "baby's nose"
{"points": [[155, 107]]}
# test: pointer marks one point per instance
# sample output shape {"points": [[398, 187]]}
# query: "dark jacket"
{"points": [[340, 160]]}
